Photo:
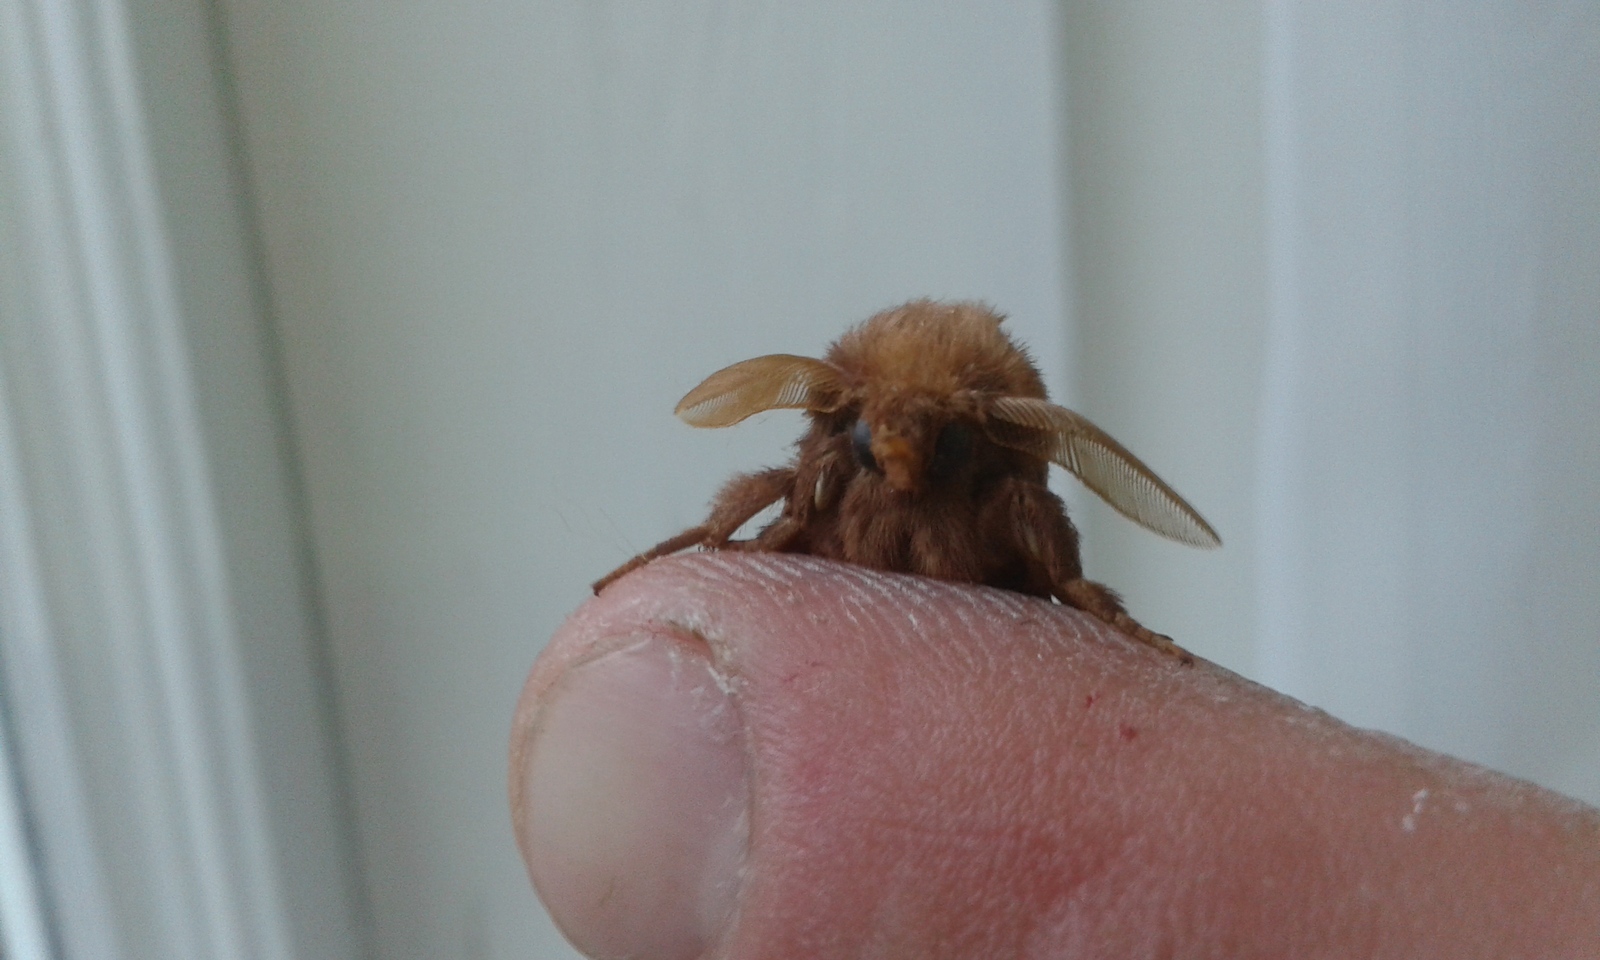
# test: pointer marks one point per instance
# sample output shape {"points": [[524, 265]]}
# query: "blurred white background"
{"points": [[339, 340]]}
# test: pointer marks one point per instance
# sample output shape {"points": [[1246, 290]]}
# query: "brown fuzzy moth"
{"points": [[928, 452]]}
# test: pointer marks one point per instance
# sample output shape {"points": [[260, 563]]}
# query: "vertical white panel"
{"points": [[1336, 546], [1167, 246], [503, 237], [1431, 517]]}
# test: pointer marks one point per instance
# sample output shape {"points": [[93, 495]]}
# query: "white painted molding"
{"points": [[142, 794], [25, 932]]}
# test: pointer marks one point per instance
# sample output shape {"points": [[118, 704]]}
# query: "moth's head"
{"points": [[914, 442], [918, 378]]}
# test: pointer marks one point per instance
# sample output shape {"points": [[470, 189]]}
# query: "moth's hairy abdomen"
{"points": [[928, 453]]}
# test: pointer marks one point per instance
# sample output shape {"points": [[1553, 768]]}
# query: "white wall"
{"points": [[502, 239], [1430, 514]]}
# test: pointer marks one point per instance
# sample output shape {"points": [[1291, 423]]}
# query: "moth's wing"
{"points": [[775, 382], [1105, 466]]}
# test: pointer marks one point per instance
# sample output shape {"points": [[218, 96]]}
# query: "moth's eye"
{"points": [[861, 443], [951, 450]]}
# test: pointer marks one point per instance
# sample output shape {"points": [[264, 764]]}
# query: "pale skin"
{"points": [[941, 770]]}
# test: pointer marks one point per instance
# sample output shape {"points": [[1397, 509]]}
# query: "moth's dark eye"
{"points": [[951, 450], [861, 443]]}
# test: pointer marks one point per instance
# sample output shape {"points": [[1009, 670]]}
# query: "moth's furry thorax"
{"points": [[937, 349]]}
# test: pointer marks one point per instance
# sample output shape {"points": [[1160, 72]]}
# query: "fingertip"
{"points": [[946, 770], [630, 797]]}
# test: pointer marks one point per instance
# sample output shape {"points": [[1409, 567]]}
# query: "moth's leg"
{"points": [[739, 499], [687, 538], [774, 538], [742, 498], [811, 488], [1042, 532], [1103, 604]]}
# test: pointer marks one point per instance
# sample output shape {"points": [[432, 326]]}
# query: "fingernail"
{"points": [[635, 819]]}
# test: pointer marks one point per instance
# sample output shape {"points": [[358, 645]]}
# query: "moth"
{"points": [[928, 452]]}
